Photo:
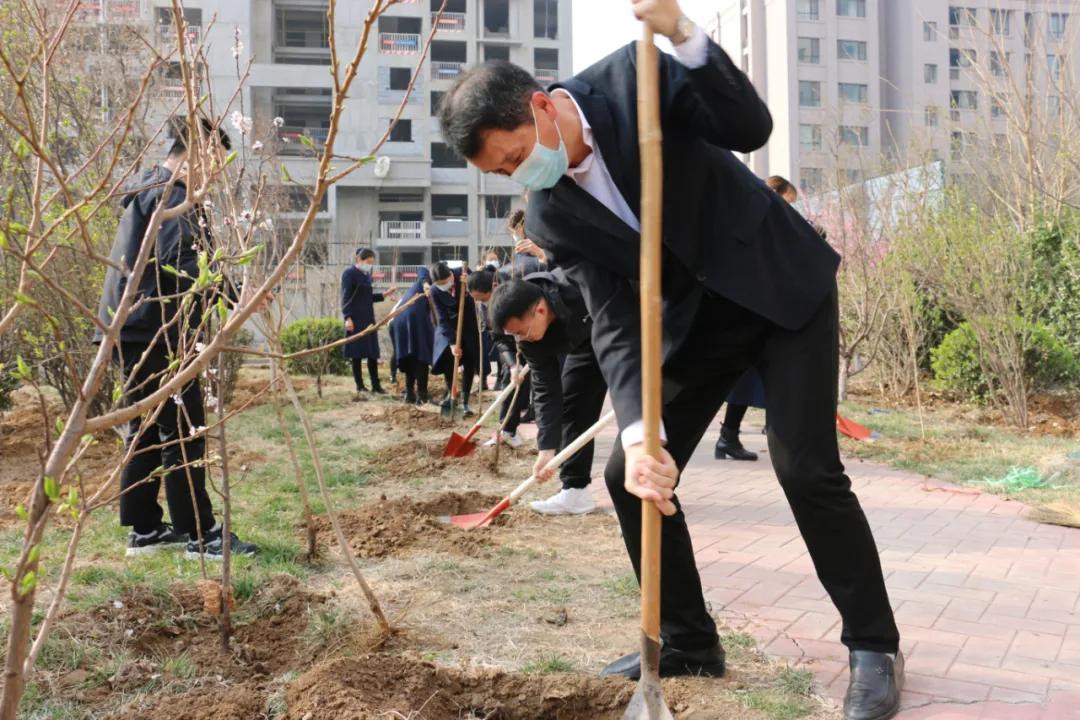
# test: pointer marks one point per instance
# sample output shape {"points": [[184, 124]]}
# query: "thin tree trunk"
{"points": [[301, 484], [226, 516]]}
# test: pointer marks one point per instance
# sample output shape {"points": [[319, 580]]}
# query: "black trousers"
{"points": [[583, 389], [358, 373], [416, 376], [511, 405], [799, 369], [468, 374], [139, 506], [733, 417]]}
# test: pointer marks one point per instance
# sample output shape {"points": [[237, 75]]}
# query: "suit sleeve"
{"points": [[348, 289], [547, 397], [716, 101]]}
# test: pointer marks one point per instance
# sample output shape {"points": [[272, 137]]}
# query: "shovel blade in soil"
{"points": [[648, 702], [458, 446], [467, 521]]}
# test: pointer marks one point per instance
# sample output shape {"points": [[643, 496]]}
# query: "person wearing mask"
{"points": [[413, 335], [446, 284], [481, 285], [152, 331], [358, 298], [547, 316], [747, 282]]}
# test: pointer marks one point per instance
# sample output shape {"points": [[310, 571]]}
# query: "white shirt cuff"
{"points": [[634, 434], [694, 51]]}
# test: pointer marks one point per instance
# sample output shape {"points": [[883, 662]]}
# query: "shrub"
{"points": [[230, 366], [310, 333], [1048, 362], [8, 383]]}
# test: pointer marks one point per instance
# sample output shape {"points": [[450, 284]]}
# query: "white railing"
{"points": [[399, 275], [399, 43], [452, 21], [167, 34], [442, 70], [546, 75], [401, 229]]}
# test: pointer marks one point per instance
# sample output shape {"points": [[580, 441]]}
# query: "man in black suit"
{"points": [[746, 281], [547, 315]]}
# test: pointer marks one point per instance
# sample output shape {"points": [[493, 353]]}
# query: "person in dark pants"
{"points": [[444, 296], [746, 282], [152, 331], [748, 391], [481, 285], [358, 298], [547, 315], [413, 333]]}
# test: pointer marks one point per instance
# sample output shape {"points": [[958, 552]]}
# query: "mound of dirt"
{"points": [[404, 525], [417, 458], [404, 417], [233, 703], [380, 686]]}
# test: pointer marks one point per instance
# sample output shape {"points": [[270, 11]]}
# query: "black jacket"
{"points": [[570, 332], [725, 231], [358, 298], [446, 314], [175, 246]]}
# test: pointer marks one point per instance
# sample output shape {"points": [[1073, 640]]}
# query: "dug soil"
{"points": [[419, 458], [404, 526]]}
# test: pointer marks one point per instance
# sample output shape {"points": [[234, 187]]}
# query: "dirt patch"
{"points": [[420, 458], [404, 525], [235, 703], [404, 417]]}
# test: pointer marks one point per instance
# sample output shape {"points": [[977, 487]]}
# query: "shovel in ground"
{"points": [[483, 519], [462, 445], [455, 388], [648, 702]]}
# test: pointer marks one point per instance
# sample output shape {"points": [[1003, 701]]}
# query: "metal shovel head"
{"points": [[458, 446], [647, 702]]}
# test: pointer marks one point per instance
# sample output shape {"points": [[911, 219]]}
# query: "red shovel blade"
{"points": [[472, 521], [852, 429], [458, 446]]}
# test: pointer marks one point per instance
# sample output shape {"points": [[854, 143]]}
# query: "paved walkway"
{"points": [[988, 603]]}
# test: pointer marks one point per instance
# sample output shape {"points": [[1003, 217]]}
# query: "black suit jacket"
{"points": [[725, 231]]}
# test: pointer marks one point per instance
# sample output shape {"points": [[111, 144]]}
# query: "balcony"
{"points": [[450, 227], [166, 35], [394, 231], [399, 43], [546, 76], [445, 70], [292, 144], [395, 275], [449, 22]]}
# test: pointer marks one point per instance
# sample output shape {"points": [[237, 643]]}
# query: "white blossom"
{"points": [[117, 604], [241, 122], [268, 225], [279, 121], [256, 146], [237, 49], [199, 347], [246, 216], [177, 399], [211, 402], [195, 430]]}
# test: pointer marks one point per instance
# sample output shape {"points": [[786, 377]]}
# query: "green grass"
{"points": [[623, 586], [789, 697], [548, 664]]}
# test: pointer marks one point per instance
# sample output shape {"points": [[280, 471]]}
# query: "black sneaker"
{"points": [[212, 547], [161, 538]]}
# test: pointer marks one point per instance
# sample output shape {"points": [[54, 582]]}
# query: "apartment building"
{"points": [[420, 203], [853, 82]]}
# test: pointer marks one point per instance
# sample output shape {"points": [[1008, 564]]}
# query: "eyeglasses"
{"points": [[524, 337]]}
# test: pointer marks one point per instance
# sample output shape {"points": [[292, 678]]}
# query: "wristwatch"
{"points": [[684, 28]]}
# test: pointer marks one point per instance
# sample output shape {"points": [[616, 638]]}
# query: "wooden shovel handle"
{"points": [[649, 139], [454, 390], [494, 405]]}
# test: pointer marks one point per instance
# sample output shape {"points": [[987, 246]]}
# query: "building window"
{"points": [[996, 110], [929, 31], [1029, 29], [402, 131], [809, 50], [998, 63], [960, 59], [546, 19], [397, 35], [961, 16], [1053, 106], [854, 135], [930, 74], [399, 78], [497, 207], [809, 138], [857, 93], [930, 117], [449, 207], [812, 179], [964, 100], [436, 98], [809, 93], [956, 145], [853, 176], [301, 36], [851, 8], [809, 10], [1001, 21], [1055, 25], [851, 50], [497, 52], [546, 65], [1053, 66], [443, 157]]}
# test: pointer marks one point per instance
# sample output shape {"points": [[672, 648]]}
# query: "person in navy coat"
{"points": [[358, 298], [444, 296], [413, 334]]}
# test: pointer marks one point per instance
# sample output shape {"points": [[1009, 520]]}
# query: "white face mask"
{"points": [[444, 286], [366, 268], [494, 263], [544, 166]]}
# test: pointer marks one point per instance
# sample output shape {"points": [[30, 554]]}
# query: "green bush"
{"points": [[7, 386], [314, 332], [230, 365], [1048, 363]]}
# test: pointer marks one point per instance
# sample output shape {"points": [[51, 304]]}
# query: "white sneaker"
{"points": [[568, 501], [512, 440], [489, 443]]}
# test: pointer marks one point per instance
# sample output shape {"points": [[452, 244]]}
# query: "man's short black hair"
{"points": [[512, 300], [491, 96], [481, 281], [177, 131], [440, 271], [365, 254]]}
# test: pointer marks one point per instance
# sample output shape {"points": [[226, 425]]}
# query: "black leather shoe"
{"points": [[410, 398], [728, 446], [875, 685], [707, 663], [466, 411]]}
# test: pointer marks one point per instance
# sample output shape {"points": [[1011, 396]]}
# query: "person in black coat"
{"points": [[746, 282], [547, 315], [413, 333], [152, 331], [446, 284], [358, 298]]}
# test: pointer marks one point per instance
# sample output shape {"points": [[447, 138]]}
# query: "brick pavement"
{"points": [[988, 603]]}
